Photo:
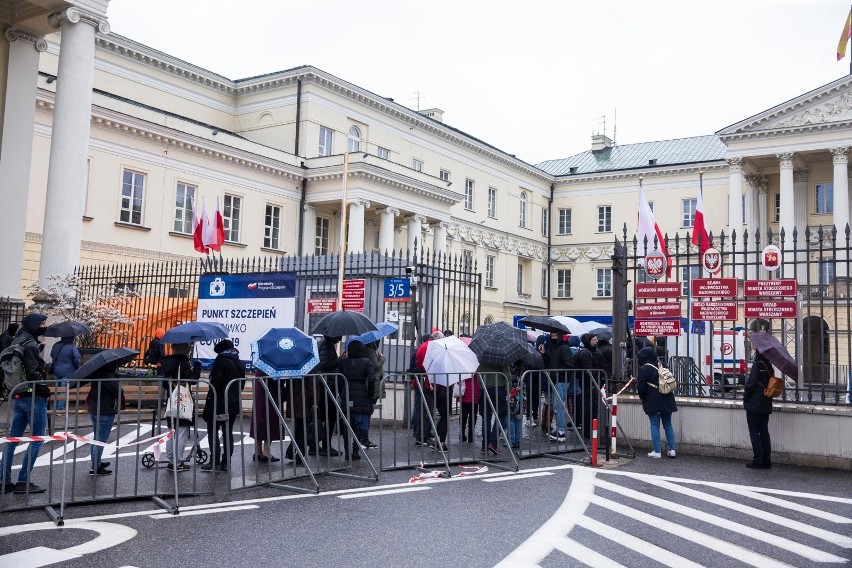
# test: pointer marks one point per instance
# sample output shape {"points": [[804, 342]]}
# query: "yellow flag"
{"points": [[844, 37]]}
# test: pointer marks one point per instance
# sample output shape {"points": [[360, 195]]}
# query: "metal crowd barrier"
{"points": [[64, 465]]}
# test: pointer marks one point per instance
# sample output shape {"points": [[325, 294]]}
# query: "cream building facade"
{"points": [[116, 160]]}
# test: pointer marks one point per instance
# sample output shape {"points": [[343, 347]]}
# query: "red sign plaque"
{"points": [[714, 287], [769, 310], [659, 310], [769, 288], [644, 328], [714, 311], [658, 290]]}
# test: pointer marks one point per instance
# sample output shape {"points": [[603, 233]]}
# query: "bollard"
{"points": [[594, 442], [614, 452]]}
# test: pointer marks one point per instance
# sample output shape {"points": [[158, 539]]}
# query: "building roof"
{"points": [[635, 156]]}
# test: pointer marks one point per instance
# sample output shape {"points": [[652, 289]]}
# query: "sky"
{"points": [[530, 78]]}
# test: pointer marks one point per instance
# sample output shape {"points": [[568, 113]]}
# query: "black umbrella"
{"points": [[499, 344], [102, 359], [603, 333], [67, 329], [193, 331], [338, 324], [769, 346], [544, 323], [532, 359]]}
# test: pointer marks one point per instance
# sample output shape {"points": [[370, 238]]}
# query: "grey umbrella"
{"points": [[602, 333], [102, 359], [67, 329], [499, 344]]}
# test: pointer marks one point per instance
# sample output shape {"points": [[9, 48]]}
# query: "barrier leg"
{"points": [[595, 442]]}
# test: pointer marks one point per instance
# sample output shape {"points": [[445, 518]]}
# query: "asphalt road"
{"points": [[690, 511]]}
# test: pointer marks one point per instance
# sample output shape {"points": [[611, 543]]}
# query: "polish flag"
{"points": [[208, 230], [648, 228], [700, 238], [214, 229], [198, 227]]}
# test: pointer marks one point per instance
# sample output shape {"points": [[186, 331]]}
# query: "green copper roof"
{"points": [[643, 155]]}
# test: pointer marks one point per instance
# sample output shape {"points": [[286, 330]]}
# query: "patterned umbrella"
{"points": [[499, 344], [285, 352], [769, 346]]}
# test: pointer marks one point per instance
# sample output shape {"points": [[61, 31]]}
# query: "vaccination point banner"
{"points": [[248, 305]]}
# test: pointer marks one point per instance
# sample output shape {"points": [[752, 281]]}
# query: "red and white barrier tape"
{"points": [[466, 470], [158, 441], [624, 388]]}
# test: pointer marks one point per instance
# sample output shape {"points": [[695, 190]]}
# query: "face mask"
{"points": [[40, 331]]}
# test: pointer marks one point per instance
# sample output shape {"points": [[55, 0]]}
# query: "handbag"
{"points": [[180, 404], [774, 386]]}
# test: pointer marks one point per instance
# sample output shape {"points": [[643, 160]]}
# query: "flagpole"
{"points": [[847, 39], [343, 231]]}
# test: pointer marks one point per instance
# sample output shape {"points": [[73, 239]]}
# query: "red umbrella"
{"points": [[769, 346]]}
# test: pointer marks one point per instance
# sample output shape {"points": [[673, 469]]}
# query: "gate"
{"points": [[794, 286]]}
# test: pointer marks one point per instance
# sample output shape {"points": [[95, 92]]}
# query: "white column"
{"points": [[309, 230], [788, 210], [841, 190], [66, 174], [440, 238], [16, 149], [735, 198], [386, 229], [800, 192], [415, 228], [355, 236]]}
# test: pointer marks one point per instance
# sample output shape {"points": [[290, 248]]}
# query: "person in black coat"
{"points": [[657, 406], [102, 403], [589, 359], [758, 407], [360, 379], [221, 414], [326, 412]]}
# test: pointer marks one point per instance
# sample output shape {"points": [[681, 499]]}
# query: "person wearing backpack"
{"points": [[29, 406], [656, 405], [758, 407]]}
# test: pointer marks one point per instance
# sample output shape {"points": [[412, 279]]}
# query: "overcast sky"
{"points": [[527, 77]]}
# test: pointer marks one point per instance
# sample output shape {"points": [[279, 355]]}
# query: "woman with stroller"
{"points": [[176, 367]]}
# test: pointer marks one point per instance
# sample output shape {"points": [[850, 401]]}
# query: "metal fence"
{"points": [[11, 311], [813, 324], [445, 293]]}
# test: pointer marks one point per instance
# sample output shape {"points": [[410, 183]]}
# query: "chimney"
{"points": [[433, 113], [600, 142]]}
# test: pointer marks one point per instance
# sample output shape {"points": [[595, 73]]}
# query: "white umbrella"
{"points": [[590, 325], [449, 360], [574, 326]]}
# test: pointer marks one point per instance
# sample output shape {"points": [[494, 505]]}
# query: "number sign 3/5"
{"points": [[397, 290]]}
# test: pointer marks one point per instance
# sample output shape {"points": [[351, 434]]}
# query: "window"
{"points": [[272, 226], [417, 165], [383, 153], [489, 271], [321, 235], [688, 212], [564, 221], [687, 273], [354, 139], [545, 222], [492, 202], [522, 222], [520, 283], [468, 194], [563, 283], [444, 175], [467, 260], [824, 198], [231, 218], [604, 288], [604, 218], [132, 188], [545, 283], [326, 139], [826, 271], [184, 196], [777, 207]]}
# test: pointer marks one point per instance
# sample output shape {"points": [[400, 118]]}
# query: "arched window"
{"points": [[354, 139], [523, 219]]}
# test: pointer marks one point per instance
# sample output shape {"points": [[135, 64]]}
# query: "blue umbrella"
{"points": [[285, 352], [383, 329], [193, 331]]}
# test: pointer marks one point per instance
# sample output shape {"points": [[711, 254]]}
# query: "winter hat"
{"points": [[223, 345], [32, 322], [574, 341], [159, 332], [13, 328]]}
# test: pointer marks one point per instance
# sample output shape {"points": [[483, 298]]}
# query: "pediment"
{"points": [[827, 107]]}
